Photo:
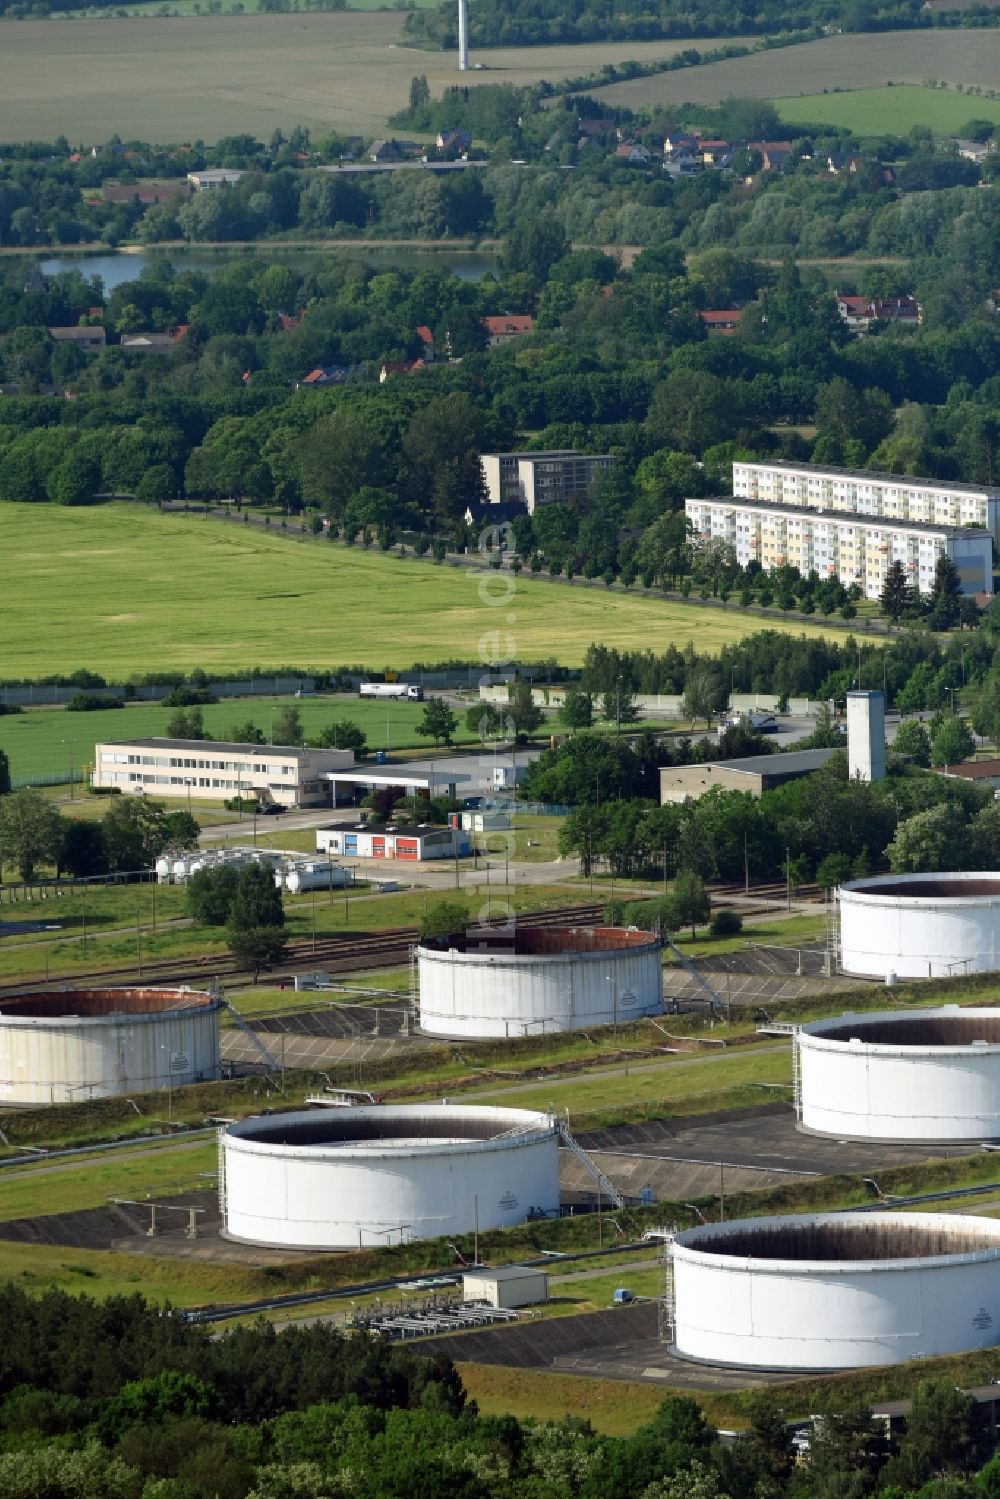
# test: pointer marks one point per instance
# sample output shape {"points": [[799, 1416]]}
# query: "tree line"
{"points": [[120, 1401], [825, 826]]}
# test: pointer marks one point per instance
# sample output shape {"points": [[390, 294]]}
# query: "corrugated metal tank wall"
{"points": [[504, 994], [801, 1315], [920, 926], [64, 1060], [347, 1195], [856, 1086]]}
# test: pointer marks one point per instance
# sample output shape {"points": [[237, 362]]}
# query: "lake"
{"points": [[113, 269]]}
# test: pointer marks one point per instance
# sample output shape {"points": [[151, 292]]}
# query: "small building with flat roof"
{"points": [[394, 840], [757, 773], [509, 1286]]}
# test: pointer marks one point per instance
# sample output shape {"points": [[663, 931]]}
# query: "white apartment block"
{"points": [[844, 544], [209, 768], [546, 478], [892, 497]]}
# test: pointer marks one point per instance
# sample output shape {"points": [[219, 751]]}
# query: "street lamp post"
{"points": [[72, 759]]}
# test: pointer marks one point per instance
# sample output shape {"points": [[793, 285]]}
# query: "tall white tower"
{"points": [[866, 736], [463, 36]]}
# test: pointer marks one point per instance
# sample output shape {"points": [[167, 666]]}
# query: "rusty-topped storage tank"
{"points": [[491, 981], [63, 1045]]}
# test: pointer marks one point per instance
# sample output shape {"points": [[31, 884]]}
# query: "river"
{"points": [[113, 269]]}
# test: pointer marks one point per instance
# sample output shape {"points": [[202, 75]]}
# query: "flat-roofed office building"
{"points": [[209, 768]]}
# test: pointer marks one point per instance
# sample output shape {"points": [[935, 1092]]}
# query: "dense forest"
{"points": [[123, 1401], [525, 23]]}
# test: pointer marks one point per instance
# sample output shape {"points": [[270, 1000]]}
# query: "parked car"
{"points": [[272, 809]]}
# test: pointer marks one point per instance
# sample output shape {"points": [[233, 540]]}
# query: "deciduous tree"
{"points": [[438, 722], [30, 831]]}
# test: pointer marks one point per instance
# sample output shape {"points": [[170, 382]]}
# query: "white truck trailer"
{"points": [[391, 689]]}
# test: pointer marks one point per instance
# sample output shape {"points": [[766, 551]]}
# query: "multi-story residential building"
{"points": [[209, 768], [533, 479], [842, 543], [894, 497]]}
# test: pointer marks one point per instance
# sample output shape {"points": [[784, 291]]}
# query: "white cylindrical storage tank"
{"points": [[346, 1178], [64, 1045], [922, 1075], [920, 925], [530, 980], [836, 1290]]}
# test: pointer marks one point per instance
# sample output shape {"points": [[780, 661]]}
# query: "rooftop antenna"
{"points": [[463, 36]]}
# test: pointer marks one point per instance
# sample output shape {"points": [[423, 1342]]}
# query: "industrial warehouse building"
{"points": [[532, 479], [285, 774], [846, 544], [755, 774], [388, 840]]}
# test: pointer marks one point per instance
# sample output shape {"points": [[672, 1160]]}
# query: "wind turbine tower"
{"points": [[463, 36]]}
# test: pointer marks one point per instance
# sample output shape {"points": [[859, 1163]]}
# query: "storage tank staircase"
{"points": [[269, 1059], [607, 1187], [715, 998]]}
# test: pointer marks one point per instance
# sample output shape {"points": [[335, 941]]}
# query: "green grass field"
{"points": [[686, 1085], [869, 61], [48, 741], [875, 111], [121, 589]]}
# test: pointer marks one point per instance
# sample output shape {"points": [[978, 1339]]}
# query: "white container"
{"points": [[536, 980], [927, 1075], [318, 874], [347, 1178], [920, 925], [836, 1290], [66, 1045]]}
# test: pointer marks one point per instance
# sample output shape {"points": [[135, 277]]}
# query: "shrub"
{"points": [[188, 697], [726, 923], [89, 702]]}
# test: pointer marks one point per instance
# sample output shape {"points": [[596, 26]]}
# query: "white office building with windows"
{"points": [[209, 768]]}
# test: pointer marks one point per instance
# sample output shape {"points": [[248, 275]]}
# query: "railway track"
{"points": [[339, 954], [773, 890]]}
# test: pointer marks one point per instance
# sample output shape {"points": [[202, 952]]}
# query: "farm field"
{"points": [[179, 78], [870, 61], [119, 590], [875, 111]]}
